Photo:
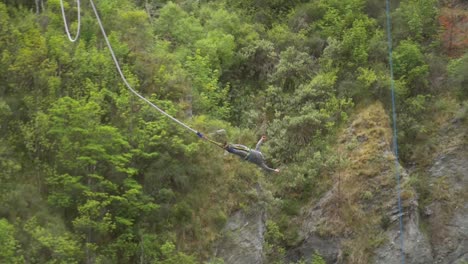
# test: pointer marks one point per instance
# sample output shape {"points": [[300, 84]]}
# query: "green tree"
{"points": [[218, 48], [177, 26], [28, 66], [266, 12], [208, 97], [339, 16], [171, 256], [62, 248], [317, 259], [91, 179], [9, 246], [273, 242], [457, 77], [4, 25], [416, 19], [313, 113], [9, 166], [356, 41], [293, 68], [410, 66], [284, 37]]}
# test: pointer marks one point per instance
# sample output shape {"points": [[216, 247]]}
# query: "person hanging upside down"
{"points": [[252, 155]]}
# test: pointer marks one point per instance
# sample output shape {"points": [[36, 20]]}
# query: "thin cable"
{"points": [[395, 134], [78, 5], [125, 79]]}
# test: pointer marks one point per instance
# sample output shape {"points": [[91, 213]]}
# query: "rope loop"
{"points": [[78, 6]]}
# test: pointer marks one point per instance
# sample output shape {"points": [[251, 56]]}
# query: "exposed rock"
{"points": [[428, 211], [416, 247], [457, 231], [327, 248], [312, 216], [342, 223], [362, 138], [313, 243], [449, 221], [362, 206], [243, 237], [453, 166]]}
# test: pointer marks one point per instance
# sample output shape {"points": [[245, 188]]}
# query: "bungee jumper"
{"points": [[251, 155]]}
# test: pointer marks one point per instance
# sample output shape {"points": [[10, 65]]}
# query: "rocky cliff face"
{"points": [[312, 241], [243, 237], [416, 247], [447, 215], [357, 221]]}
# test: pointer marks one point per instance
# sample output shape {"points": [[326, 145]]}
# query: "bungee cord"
{"points": [[124, 79], [395, 132], [67, 30], [117, 64]]}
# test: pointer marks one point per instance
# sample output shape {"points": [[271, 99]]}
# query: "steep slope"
{"points": [[358, 217], [243, 237], [447, 209], [357, 220]]}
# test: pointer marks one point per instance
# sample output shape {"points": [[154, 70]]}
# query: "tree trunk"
{"points": [[148, 11], [38, 6]]}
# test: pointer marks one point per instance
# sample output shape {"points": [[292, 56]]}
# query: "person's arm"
{"points": [[259, 143], [266, 168]]}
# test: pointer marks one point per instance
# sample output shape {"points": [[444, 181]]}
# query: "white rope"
{"points": [[117, 65], [66, 24]]}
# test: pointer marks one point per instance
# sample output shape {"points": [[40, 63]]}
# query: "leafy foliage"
{"points": [[458, 80], [418, 19], [8, 243], [89, 173]]}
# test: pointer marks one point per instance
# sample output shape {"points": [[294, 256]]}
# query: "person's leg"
{"points": [[239, 150]]}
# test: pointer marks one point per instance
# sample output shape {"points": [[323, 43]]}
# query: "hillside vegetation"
{"points": [[89, 173]]}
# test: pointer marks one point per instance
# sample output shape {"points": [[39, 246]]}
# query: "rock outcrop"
{"points": [[447, 215], [243, 237], [312, 242], [416, 247], [357, 220]]}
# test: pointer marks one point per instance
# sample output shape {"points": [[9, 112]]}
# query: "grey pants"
{"points": [[239, 150]]}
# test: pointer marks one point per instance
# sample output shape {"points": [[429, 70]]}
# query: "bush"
{"points": [[317, 259], [458, 79]]}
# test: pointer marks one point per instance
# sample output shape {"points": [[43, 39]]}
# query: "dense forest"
{"points": [[89, 173]]}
